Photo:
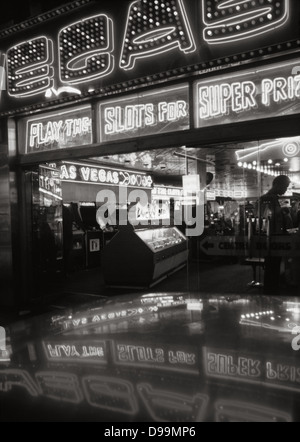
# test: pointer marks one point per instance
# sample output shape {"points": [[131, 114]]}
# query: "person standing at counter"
{"points": [[270, 210]]}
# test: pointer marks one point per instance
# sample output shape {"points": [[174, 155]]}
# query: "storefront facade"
{"points": [[100, 95]]}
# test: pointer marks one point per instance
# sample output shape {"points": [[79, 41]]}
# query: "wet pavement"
{"points": [[155, 358]]}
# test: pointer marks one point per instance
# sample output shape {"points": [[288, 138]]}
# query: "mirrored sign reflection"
{"points": [[158, 358]]}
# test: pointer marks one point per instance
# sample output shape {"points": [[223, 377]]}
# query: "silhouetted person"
{"points": [[271, 210]]}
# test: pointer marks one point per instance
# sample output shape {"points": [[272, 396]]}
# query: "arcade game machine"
{"points": [[93, 235]]}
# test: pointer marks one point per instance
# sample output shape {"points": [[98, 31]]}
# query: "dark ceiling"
{"points": [[12, 12]]}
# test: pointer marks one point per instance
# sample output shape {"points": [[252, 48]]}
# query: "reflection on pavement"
{"points": [[157, 358]]}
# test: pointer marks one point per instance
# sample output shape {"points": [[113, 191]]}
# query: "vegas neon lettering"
{"points": [[234, 20], [86, 48], [84, 56], [153, 36], [29, 67]]}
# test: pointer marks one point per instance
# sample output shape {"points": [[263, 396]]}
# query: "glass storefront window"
{"points": [[231, 212]]}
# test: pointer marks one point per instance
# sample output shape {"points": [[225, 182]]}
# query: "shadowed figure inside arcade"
{"points": [[278, 223]]}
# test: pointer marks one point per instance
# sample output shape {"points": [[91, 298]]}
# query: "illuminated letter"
{"points": [[204, 102], [271, 373], [60, 386], [169, 406], [17, 378], [226, 96], [110, 121], [249, 92], [85, 50], [85, 172], [234, 20], [73, 173], [267, 89], [29, 67], [110, 394], [64, 173], [2, 339], [280, 88], [153, 28]]}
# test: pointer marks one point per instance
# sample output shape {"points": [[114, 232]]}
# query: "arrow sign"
{"points": [[207, 245], [225, 245], [259, 246]]}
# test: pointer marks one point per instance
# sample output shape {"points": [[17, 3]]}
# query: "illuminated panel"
{"points": [[29, 68], [154, 27], [58, 130], [160, 111], [60, 386], [278, 373], [167, 406], [234, 20], [163, 358], [91, 174], [85, 50], [234, 411], [93, 352], [110, 394], [231, 365], [248, 95]]}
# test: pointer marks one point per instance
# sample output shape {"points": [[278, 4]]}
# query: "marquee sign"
{"points": [[81, 52], [159, 111], [58, 130], [101, 175], [266, 92]]}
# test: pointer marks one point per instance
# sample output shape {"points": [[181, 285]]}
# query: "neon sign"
{"points": [[59, 130], [76, 352], [29, 67], [84, 50], [235, 20], [248, 95], [153, 28], [49, 184], [167, 192], [286, 147], [165, 110], [243, 368], [155, 357], [101, 175]]}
